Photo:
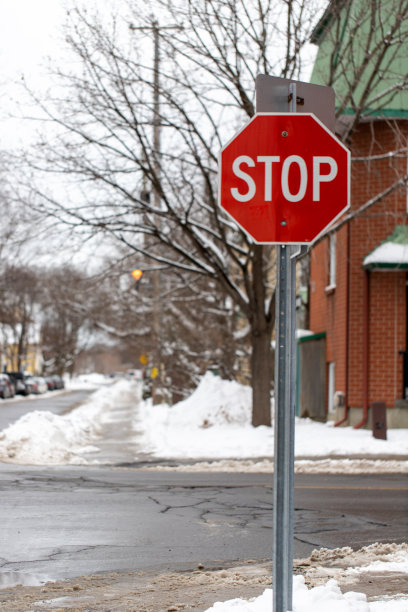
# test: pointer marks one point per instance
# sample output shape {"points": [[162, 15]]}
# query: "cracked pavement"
{"points": [[67, 521], [119, 526]]}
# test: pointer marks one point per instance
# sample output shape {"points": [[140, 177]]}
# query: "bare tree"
{"points": [[140, 145], [19, 301], [65, 320], [198, 326]]}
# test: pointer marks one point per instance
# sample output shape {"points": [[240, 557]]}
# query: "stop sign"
{"points": [[284, 178]]}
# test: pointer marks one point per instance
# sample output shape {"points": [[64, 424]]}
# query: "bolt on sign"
{"points": [[284, 178]]}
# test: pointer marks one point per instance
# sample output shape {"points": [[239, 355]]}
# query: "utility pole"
{"points": [[157, 307]]}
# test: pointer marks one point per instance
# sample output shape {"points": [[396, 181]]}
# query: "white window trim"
{"points": [[332, 262]]}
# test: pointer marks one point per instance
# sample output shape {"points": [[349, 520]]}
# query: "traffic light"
{"points": [[137, 274]]}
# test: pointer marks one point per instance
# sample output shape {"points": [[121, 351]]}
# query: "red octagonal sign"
{"points": [[284, 178]]}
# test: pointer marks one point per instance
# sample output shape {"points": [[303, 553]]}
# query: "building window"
{"points": [[332, 386], [332, 262]]}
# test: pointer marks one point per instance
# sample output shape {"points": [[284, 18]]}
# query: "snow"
{"points": [[388, 253], [214, 423], [41, 437], [302, 466], [88, 381], [377, 558], [317, 599]]}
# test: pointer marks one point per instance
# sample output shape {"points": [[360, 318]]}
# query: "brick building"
{"points": [[358, 280]]}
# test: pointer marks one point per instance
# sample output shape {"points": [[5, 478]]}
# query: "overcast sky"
{"points": [[28, 31]]}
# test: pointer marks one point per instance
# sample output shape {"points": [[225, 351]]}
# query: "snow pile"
{"points": [[215, 422], [349, 567], [41, 437], [385, 558], [317, 599], [326, 593], [215, 402]]}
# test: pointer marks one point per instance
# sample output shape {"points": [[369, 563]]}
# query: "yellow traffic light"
{"points": [[137, 274]]}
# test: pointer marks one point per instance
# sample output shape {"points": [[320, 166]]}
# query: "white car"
{"points": [[42, 386]]}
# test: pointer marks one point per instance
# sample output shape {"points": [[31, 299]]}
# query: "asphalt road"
{"points": [[56, 402], [64, 522]]}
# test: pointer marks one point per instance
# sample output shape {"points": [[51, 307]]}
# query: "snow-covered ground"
{"points": [[44, 438], [211, 429], [215, 421], [213, 426]]}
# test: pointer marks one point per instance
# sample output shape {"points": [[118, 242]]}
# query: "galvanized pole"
{"points": [[284, 421]]}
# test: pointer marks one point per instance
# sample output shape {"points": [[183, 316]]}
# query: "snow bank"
{"points": [[214, 403], [376, 558], [215, 422], [385, 558], [41, 437], [316, 599], [302, 466]]}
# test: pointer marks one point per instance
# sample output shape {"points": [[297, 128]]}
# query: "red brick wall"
{"points": [[328, 308], [387, 335], [387, 317]]}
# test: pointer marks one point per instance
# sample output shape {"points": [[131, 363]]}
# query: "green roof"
{"points": [[344, 34], [392, 254]]}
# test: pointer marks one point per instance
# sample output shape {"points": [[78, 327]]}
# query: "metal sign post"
{"points": [[283, 95], [247, 194], [284, 431], [284, 421]]}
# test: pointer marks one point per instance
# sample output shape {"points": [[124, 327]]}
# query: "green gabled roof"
{"points": [[392, 254], [341, 53], [332, 9]]}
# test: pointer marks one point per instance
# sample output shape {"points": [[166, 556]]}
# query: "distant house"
{"points": [[358, 352], [20, 351]]}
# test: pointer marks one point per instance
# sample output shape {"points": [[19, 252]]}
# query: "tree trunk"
{"points": [[261, 329], [261, 371]]}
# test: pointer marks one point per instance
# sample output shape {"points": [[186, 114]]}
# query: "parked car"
{"points": [[30, 384], [6, 387], [19, 381], [42, 386], [36, 384], [58, 382], [50, 383]]}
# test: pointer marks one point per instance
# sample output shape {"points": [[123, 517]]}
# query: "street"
{"points": [[67, 521], [124, 522]]}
